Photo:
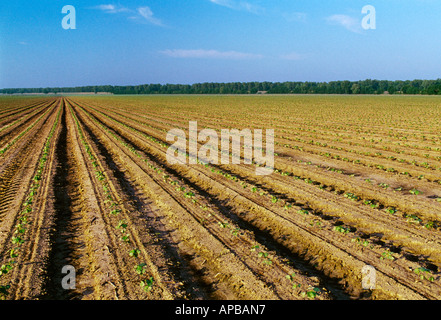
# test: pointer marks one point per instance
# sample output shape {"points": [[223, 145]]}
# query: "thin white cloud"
{"points": [[225, 3], [141, 14], [239, 5], [348, 22], [111, 8], [147, 14], [23, 43], [105, 7], [209, 54], [292, 56]]}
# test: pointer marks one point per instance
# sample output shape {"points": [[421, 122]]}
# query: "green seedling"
{"points": [[20, 229], [415, 191], [235, 232], [342, 229], [147, 284], [5, 268], [424, 274], [291, 277], [317, 223], [134, 253], [122, 225], [412, 218], [312, 294], [303, 212], [140, 268], [254, 248], [27, 210], [189, 194], [17, 240], [387, 255], [223, 224], [359, 241], [23, 219], [374, 205], [430, 225], [13, 253], [391, 210], [4, 291], [351, 196], [264, 255], [125, 238], [99, 175]]}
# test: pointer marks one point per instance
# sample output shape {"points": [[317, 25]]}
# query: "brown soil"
{"points": [[108, 202]]}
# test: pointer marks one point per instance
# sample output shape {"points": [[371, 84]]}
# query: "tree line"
{"points": [[426, 87]]}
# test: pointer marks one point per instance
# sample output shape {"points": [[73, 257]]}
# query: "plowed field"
{"points": [[85, 182]]}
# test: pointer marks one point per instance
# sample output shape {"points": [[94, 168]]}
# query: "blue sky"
{"points": [[176, 41]]}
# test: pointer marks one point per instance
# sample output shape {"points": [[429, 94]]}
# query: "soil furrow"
{"points": [[70, 240], [168, 192], [225, 209], [85, 183], [390, 292]]}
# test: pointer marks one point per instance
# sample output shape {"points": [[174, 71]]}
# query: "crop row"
{"points": [[24, 220], [145, 281], [336, 156], [272, 198], [369, 197], [294, 135], [11, 143], [209, 217]]}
